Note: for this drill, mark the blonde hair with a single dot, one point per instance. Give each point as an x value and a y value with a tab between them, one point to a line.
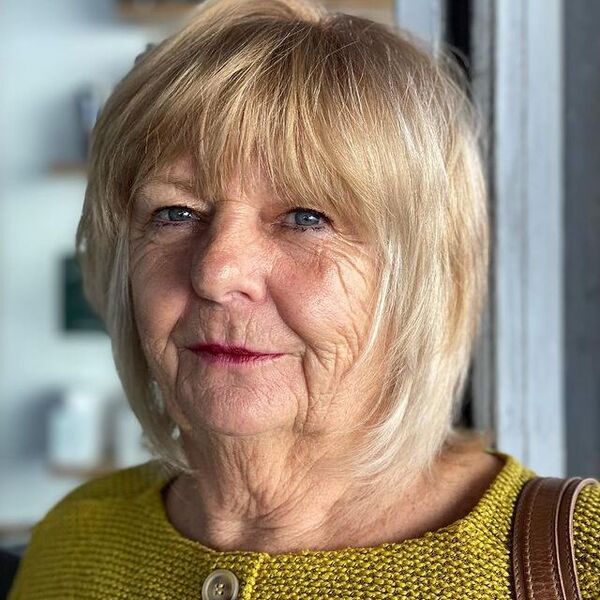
359	120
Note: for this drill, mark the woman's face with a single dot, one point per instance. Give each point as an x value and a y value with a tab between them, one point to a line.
244	273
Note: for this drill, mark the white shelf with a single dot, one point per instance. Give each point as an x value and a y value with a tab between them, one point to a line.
28	491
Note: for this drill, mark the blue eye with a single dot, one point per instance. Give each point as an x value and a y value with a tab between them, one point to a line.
173	214
306	218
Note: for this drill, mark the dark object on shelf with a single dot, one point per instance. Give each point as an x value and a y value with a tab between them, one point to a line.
89	101
139	57
9	563
78	315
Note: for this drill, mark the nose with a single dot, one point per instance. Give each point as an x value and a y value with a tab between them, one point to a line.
231	262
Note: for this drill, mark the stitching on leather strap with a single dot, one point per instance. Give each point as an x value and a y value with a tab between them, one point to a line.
516	546
543	511
527	538
552	548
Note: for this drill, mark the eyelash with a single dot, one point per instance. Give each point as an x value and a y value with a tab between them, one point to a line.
159	223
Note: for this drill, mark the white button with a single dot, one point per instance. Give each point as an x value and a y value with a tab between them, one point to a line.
221	584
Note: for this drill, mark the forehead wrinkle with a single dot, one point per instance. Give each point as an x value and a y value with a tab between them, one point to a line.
181	183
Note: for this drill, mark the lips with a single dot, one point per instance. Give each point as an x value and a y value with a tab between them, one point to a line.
231	350
224	355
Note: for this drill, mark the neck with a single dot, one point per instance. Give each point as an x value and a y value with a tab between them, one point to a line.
254	495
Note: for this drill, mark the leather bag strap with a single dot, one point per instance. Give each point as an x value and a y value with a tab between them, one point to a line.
543	558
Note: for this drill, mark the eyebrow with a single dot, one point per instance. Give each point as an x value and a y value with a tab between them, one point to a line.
183	184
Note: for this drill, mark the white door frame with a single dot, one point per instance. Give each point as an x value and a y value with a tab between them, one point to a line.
528	186
517	81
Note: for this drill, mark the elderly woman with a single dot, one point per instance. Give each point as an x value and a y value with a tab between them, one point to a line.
285	232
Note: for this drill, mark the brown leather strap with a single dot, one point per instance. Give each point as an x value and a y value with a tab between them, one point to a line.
543	558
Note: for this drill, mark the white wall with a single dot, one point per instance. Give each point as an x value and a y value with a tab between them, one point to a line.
47	51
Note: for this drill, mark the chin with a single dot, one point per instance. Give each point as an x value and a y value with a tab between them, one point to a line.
233	416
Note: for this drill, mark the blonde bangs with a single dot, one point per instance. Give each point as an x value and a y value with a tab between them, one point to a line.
298	101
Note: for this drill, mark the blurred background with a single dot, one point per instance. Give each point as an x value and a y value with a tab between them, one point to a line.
534	67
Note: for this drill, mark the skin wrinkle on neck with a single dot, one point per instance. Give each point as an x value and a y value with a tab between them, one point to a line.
392	519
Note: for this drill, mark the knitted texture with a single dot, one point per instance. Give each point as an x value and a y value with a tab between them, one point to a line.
111	538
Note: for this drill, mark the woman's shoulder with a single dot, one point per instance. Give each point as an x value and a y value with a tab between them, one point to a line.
119	484
98	520
120	487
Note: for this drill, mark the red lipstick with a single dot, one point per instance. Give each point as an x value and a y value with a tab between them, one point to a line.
230	355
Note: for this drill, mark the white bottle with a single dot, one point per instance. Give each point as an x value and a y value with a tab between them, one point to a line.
77	431
127	440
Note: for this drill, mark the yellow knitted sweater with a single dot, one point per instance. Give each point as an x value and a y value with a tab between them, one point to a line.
111	538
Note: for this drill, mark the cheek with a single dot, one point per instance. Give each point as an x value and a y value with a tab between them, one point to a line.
324	299
160	289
